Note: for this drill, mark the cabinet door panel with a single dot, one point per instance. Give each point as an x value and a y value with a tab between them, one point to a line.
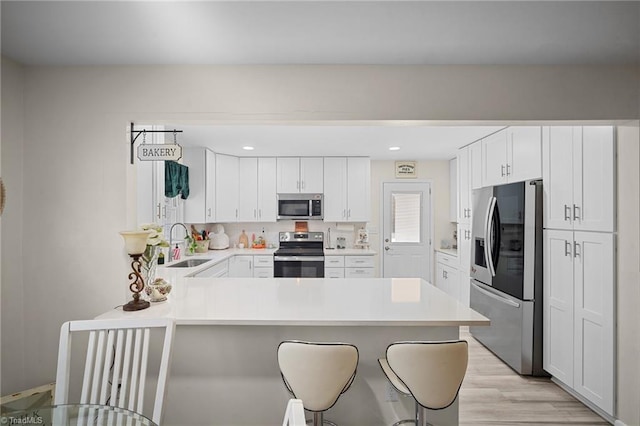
594	185
335	189
226	188
241	267
475	164
494	159
464	192
524	153
267	200
464	259
288	172
558	292
594	318
210	187
248	185
311	173
358	189
557	171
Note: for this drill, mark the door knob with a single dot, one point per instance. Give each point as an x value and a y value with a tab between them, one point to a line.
386	240
387	248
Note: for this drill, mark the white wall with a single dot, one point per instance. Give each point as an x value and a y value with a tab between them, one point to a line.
78	191
628	273
14	310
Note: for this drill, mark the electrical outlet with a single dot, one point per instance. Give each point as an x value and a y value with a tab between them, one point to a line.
391	393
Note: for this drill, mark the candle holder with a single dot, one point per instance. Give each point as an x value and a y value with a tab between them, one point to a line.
135	244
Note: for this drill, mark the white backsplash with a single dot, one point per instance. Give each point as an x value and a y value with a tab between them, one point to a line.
271	230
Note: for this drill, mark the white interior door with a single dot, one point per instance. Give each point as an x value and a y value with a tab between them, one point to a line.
406	234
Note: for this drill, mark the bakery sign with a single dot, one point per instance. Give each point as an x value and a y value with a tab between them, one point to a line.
405	169
159	152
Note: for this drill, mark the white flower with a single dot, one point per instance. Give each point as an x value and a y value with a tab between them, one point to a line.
156	235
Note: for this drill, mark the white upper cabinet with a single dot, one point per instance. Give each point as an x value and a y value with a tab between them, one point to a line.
257	181
464	186
335	189
358	189
579	186
494	159
453	190
512	155
475	164
300	175
200	206
248	184
524	153
227	188
347	189
267	201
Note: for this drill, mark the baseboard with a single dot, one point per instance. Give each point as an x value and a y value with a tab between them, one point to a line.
588	403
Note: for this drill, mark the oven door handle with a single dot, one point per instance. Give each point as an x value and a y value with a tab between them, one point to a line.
298	258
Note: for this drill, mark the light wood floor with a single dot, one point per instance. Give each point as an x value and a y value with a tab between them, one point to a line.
493	394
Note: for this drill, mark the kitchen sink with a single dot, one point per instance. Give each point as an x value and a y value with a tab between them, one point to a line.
189	263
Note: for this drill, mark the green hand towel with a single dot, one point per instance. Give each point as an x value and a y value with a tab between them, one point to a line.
176	180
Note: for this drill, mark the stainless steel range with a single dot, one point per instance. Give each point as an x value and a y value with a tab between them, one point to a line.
300	255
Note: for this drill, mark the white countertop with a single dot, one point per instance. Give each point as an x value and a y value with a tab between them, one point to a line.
349	252
450	251
310	301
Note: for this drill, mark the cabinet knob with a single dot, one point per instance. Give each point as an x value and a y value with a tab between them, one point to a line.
567	212
502	170
508	172
576	211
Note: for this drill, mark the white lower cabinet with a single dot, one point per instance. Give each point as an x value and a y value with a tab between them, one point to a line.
263	266
241	266
579	313
358	273
464	259
447	274
263	273
333	272
349	267
218	270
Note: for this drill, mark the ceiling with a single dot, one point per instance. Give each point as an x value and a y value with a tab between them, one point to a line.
415	141
323	32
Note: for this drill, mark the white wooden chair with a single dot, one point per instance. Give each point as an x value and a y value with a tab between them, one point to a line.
117	353
294	415
431	372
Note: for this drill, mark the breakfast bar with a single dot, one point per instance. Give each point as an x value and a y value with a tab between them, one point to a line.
228	330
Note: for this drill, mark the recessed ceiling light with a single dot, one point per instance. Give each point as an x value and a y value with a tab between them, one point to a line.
247	148
394	148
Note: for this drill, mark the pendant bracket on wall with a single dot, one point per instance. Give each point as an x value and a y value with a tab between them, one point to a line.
135	133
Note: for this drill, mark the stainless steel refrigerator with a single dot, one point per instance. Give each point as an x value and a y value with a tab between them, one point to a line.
506	272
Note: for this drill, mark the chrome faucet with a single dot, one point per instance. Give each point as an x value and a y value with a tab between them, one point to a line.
171	238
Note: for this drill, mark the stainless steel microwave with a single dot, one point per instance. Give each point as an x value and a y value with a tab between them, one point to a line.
300	206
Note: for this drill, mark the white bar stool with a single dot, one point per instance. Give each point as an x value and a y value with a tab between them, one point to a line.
431	372
317	373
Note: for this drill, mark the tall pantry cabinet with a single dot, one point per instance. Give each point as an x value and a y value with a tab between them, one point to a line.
579	261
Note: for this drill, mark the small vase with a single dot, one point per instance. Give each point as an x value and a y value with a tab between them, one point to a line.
158	290
149	264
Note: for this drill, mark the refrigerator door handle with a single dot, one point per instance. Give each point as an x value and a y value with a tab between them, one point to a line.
496	296
487	235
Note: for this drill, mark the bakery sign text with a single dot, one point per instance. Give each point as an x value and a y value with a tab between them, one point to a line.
160	152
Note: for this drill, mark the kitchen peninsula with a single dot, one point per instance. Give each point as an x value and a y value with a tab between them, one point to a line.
229	328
